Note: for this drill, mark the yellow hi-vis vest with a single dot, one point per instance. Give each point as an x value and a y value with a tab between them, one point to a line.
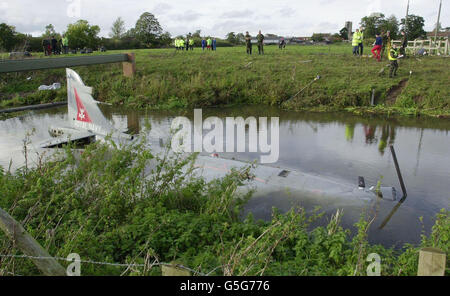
356	38
181	43
361	37
393	54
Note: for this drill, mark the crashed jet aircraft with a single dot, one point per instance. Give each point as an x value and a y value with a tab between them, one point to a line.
87	122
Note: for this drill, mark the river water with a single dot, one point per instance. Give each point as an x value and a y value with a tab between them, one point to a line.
335	145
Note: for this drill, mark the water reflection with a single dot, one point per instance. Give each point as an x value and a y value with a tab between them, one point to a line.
350	132
394	210
387	137
369	132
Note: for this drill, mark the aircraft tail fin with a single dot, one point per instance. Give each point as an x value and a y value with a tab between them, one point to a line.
83	110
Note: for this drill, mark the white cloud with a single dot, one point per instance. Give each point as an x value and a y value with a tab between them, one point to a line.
218	17
3	6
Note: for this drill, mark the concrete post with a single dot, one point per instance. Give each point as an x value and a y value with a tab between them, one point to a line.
431	262
129	67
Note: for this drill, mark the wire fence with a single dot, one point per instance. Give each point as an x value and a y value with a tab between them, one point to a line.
128	265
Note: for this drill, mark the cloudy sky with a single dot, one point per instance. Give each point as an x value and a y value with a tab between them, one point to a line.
214	17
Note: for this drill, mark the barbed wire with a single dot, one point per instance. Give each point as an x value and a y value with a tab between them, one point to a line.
151	265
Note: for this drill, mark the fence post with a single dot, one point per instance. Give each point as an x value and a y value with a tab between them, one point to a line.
431	42
29	246
129	67
431	262
446	47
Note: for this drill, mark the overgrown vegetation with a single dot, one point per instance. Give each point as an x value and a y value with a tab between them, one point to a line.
167	79
98	204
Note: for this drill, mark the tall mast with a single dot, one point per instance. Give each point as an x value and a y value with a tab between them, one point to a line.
437	24
406	18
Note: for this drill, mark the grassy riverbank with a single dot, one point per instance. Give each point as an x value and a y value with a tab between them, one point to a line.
167	79
98	205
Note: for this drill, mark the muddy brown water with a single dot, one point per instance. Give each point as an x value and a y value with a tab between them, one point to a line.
333	145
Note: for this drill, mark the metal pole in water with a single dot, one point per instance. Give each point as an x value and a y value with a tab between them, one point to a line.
399	173
372	99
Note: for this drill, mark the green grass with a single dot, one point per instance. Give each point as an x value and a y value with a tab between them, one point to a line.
167	79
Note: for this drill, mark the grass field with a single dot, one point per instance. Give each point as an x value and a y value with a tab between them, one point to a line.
168	79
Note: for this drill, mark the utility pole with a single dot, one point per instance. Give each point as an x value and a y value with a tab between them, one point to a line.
406	18
437	24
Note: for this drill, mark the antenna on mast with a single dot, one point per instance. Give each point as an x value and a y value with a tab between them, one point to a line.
406	18
437	24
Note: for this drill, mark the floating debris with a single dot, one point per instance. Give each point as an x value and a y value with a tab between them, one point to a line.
54	86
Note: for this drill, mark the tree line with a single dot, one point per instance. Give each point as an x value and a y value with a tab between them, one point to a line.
378	23
148	33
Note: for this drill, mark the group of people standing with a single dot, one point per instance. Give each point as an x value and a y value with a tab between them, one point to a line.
260	40
382	42
188	44
358	42
181	44
209	44
55	46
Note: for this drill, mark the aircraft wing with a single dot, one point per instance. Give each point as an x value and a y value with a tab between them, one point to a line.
75	136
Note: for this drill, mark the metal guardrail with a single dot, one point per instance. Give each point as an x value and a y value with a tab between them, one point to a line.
7	66
33	107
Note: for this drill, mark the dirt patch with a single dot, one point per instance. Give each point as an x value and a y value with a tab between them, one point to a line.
418	99
395	91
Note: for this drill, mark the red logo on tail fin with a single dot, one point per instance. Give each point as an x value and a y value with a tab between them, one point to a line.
82	114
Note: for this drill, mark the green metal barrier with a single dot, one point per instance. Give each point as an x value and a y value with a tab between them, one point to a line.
7	66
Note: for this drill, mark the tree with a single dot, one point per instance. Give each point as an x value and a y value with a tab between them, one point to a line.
372	24
197	34
7	37
117	29
391	24
317	37
165	39
414	28
377	23
240	38
147	29
50	31
343	33
81	34
231	37
131	33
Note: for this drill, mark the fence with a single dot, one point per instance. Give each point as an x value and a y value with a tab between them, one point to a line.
127	59
440	47
432	262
